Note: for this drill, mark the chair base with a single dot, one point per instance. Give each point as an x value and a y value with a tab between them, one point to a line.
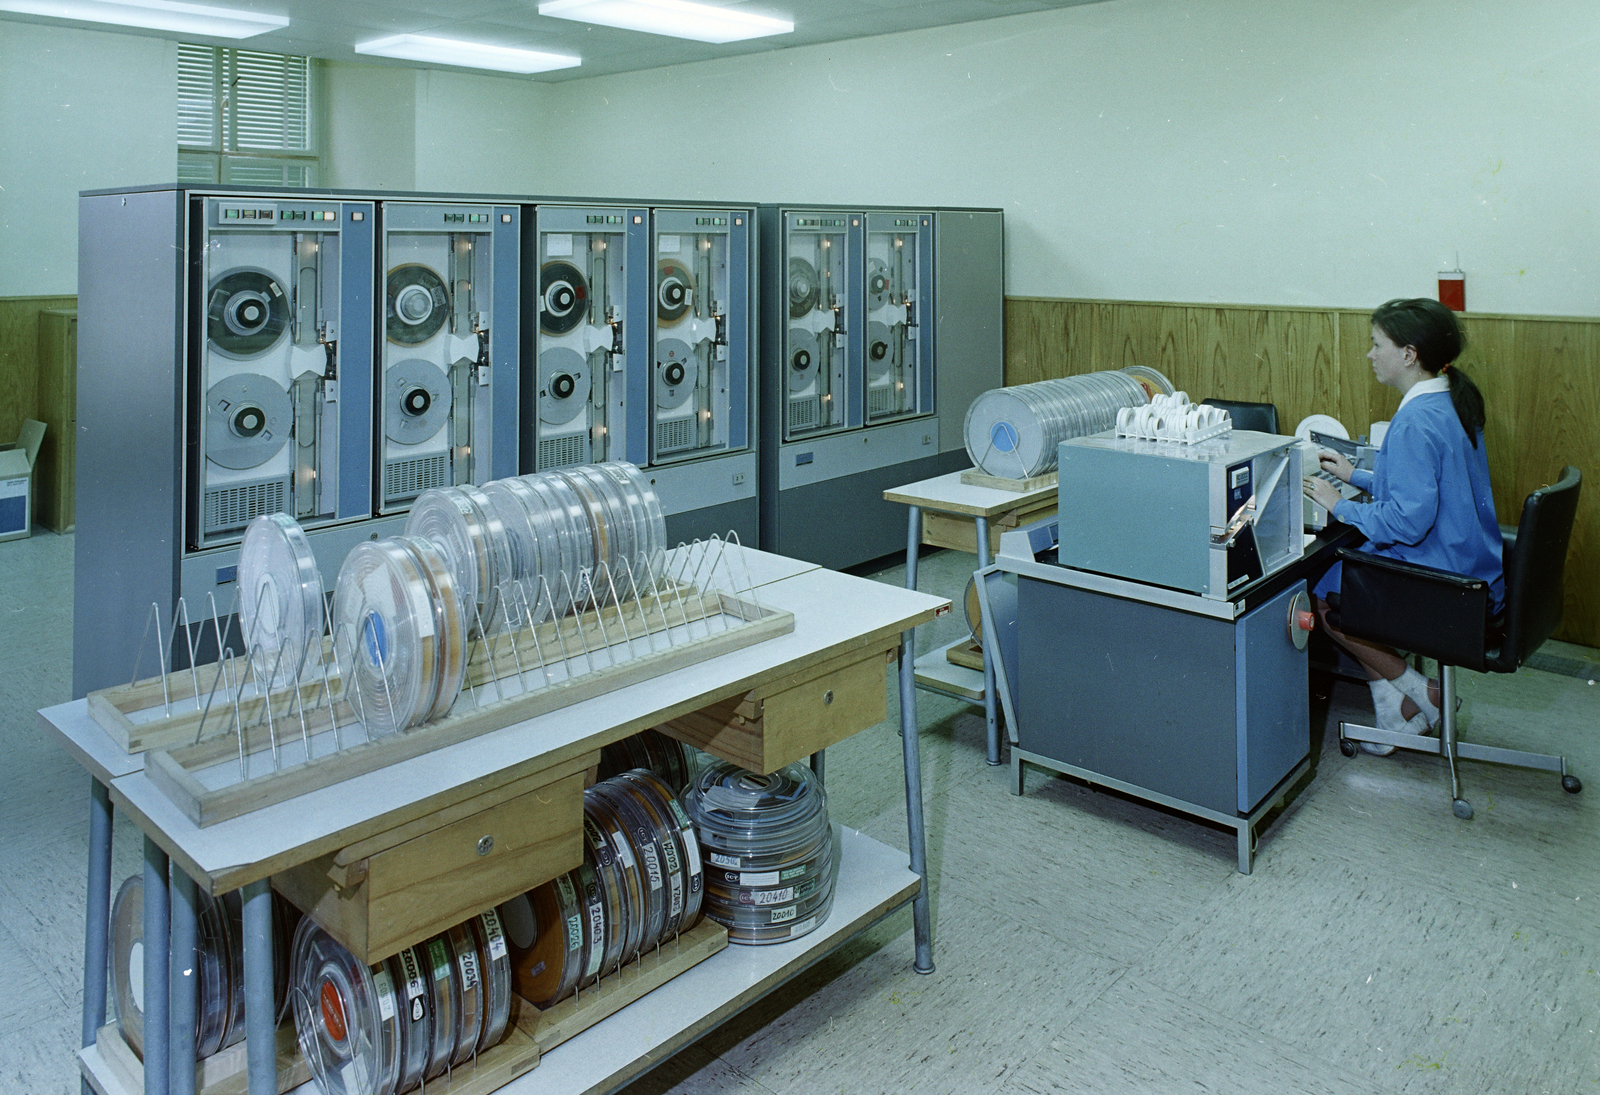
1446	745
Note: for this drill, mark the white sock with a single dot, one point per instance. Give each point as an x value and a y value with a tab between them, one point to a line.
1386	700
1415	685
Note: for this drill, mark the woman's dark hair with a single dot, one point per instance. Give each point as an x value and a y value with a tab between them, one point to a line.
1434	332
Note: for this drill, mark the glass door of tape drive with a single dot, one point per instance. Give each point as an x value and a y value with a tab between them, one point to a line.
280	360
592	299
448	391
822	340
899	298
700	382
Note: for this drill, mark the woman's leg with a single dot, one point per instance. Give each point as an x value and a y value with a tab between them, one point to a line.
1379	661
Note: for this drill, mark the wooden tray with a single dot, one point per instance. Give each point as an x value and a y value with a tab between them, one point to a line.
972	477
193	776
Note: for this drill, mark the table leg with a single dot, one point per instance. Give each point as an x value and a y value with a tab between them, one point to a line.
97	911
921	918
819	763
991	714
183	984
260	1017
157	931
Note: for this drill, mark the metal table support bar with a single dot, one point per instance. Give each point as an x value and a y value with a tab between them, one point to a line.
910	748
1244	827
991	721
97	914
184	984
157	930
260	1018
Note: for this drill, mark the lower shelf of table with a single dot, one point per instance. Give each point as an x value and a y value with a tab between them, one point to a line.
873	881
937	673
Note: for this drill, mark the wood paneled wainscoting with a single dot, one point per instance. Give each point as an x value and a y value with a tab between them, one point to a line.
1540	377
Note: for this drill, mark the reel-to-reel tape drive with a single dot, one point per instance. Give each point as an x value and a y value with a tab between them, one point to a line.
818	341
590	320
857	303
447	413
701	295
280	297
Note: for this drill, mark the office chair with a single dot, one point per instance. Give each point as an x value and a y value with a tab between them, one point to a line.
1446	617
1261	417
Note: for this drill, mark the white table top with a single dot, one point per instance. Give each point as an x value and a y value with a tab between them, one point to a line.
948	494
230	853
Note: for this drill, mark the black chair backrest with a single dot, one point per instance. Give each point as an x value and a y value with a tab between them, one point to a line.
1535	568
1261	417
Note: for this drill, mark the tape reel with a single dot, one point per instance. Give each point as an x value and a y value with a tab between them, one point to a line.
804	354
347	1016
563	385
280	596
805	288
879	283
416	401
880	351
563	297
677	371
247	312
418	304
247	420
674	292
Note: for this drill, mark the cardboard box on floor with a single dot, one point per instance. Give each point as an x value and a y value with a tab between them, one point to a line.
16	481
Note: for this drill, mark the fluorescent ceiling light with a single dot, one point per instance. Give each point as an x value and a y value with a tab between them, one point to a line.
445	51
155	15
677	18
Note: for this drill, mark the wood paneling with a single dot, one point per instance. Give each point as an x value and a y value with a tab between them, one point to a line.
55	474
19	358
1540	378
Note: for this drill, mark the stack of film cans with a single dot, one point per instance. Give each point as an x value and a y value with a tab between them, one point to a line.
768	849
218	965
639	886
409	1019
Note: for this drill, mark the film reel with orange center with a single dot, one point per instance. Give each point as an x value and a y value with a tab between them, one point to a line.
544	929
346	1016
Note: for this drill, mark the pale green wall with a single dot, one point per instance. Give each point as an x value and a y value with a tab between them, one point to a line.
79	110
1292	152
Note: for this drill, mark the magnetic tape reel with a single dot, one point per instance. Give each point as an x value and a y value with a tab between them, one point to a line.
347	1016
804	288
280	596
418	304
247	312
677	372
463	524
674	292
563	297
417	400
880	351
563	385
247	420
879	283
803	354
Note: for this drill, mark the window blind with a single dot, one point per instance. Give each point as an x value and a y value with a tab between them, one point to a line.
244	117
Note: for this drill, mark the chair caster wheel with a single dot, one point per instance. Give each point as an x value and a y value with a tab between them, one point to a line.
1347	747
1571	784
1462	809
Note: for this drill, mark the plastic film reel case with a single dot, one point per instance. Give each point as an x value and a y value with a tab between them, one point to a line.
347	1016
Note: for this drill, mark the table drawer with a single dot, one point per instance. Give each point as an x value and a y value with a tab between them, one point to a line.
795	715
432	872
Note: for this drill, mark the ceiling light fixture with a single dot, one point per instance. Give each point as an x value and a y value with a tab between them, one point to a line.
446	51
676	18
155	15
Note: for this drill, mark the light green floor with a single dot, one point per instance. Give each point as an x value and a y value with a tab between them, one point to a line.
1085	942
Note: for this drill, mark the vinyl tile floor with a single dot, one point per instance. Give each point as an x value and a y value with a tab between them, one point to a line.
1085	942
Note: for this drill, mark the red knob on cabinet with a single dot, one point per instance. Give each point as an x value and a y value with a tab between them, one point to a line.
1304	620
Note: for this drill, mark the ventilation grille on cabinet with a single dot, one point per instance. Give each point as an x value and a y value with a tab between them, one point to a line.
561	452
675	434
881	402
409	478
234	507
805	413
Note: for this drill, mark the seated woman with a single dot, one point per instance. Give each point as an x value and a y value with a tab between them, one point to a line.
1430	492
